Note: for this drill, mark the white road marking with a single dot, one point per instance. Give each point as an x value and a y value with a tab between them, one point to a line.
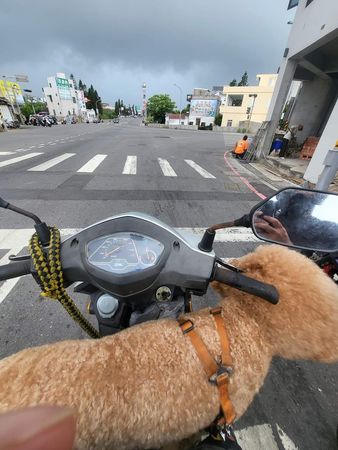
19	149
130	166
51	163
32	146
52	143
92	164
286	441
258	437
6	153
199	169
167	170
18	159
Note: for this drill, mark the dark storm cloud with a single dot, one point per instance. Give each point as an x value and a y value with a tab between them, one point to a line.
120	43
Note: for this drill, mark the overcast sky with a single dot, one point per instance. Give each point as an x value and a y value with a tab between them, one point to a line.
117	45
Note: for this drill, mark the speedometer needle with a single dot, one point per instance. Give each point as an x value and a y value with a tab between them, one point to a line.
113	251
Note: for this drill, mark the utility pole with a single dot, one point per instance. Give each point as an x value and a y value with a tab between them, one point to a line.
179	87
251	109
144	101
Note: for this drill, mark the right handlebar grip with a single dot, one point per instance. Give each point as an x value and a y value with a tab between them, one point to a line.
15	269
246	284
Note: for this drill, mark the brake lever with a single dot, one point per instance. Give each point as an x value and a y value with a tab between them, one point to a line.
228	266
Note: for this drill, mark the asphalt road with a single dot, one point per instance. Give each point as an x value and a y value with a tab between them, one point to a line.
74	175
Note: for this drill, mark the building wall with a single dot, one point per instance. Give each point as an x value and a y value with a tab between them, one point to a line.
312	23
314	26
57	106
313	100
326	143
236	114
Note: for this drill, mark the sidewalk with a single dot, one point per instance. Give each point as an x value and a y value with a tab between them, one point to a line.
290	169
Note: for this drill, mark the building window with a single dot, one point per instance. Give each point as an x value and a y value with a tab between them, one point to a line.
54	112
74	100
56	95
50	98
50	84
229	123
235	100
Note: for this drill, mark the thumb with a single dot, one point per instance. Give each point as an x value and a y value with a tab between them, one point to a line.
38	428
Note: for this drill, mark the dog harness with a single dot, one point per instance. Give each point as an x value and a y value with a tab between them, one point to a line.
217	373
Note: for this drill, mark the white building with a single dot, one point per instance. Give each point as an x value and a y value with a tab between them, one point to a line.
176	119
310	56
62	98
203	107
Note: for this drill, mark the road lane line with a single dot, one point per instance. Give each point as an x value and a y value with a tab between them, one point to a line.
257	437
51	163
8	285
167	170
199	169
92	164
8	162
6	153
130	166
32	146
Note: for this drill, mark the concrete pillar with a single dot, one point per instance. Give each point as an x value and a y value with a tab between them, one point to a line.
283	84
327	142
311	105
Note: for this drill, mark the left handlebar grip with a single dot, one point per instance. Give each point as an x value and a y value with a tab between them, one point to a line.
15	269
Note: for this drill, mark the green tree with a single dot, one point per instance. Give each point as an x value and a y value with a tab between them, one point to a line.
94	100
27	108
186	109
73	79
159	105
233	82
218	119
108	114
244	79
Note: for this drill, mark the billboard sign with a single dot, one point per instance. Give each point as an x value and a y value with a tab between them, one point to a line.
63	88
11	91
203	108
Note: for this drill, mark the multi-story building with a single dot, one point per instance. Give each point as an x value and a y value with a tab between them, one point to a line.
247	103
311	56
62	98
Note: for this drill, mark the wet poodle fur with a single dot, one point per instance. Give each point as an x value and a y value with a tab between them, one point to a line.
145	387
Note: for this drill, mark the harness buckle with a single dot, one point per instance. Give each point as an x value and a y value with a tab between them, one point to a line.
185	327
221	371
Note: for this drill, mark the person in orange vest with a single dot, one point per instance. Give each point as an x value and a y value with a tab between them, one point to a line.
241	147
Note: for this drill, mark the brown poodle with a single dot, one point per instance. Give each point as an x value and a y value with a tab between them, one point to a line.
145	387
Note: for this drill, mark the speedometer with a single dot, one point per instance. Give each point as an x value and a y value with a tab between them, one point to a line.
124	252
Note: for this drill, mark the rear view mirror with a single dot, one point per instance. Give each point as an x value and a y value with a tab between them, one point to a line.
299	218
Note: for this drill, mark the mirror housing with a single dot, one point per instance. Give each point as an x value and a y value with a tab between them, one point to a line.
298	218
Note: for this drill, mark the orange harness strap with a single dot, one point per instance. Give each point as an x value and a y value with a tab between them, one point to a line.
216	373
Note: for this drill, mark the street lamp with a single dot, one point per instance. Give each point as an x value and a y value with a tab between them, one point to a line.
179	87
251	110
96	108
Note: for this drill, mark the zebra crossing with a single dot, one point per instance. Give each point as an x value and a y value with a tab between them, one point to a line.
130	166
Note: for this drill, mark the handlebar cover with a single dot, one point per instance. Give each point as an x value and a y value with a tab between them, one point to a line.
246	284
15	269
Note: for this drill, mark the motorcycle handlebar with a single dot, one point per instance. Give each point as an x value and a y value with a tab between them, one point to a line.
15	269
246	284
